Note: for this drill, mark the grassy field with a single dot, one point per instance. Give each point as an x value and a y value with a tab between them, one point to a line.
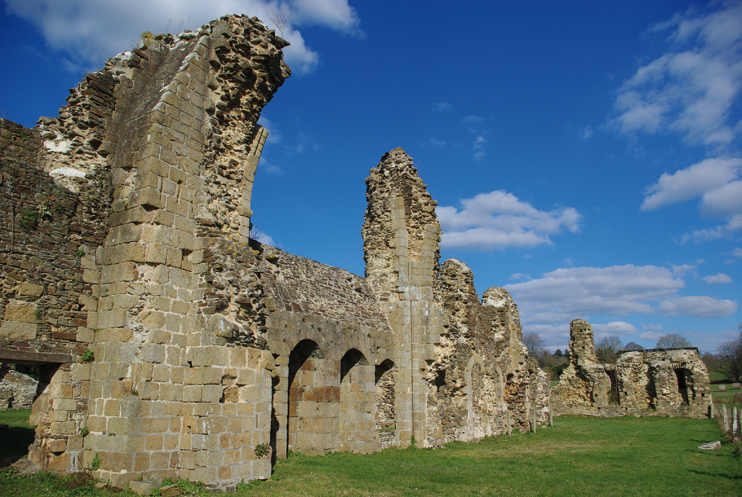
724	397
579	456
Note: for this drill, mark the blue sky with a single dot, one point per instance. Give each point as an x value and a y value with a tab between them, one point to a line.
585	155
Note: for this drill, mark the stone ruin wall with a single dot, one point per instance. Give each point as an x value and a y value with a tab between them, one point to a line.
481	379
213	354
48	237
17	390
465	360
672	382
138	145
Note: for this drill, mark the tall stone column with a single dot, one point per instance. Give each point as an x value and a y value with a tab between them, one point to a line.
401	243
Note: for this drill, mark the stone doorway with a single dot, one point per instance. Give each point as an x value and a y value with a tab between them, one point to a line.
680	375
384	399
312	409
356	425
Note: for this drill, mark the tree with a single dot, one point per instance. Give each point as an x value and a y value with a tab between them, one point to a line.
672	341
632	346
558	353
279	18
606	349
552	364
730	355
710	360
534	343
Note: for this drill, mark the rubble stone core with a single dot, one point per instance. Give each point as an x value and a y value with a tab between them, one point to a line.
668	382
171	344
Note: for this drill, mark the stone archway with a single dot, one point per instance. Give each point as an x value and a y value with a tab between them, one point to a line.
312	402
356	427
385	413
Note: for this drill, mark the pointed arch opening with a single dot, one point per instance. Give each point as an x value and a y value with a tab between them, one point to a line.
384	409
357	432
312	397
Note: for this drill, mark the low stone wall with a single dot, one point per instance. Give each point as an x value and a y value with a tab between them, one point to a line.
17	390
671	382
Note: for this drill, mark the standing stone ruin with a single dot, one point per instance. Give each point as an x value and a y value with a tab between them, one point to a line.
668	382
17	390
171	344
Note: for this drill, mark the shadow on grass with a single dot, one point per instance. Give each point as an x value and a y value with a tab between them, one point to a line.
720	475
15	444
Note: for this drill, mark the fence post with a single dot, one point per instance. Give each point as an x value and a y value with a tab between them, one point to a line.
734	423
551	419
726	419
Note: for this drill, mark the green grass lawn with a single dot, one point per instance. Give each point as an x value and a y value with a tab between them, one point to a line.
724	397
717	375
579	456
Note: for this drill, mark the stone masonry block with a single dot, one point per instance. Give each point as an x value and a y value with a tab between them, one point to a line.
21	312
14	330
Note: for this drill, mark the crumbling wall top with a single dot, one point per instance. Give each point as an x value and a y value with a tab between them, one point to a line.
395	179
581	343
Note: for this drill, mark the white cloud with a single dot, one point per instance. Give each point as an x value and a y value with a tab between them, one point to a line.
498	219
654	327
698	305
555	336
434	142
704	235
650	335
737	252
704	179
587	132
692	88
274	135
265	239
613	328
336	14
718	182
478	147
569	293
472	119
84	30
723	201
717	279
440	107
520	276
682	269
265	166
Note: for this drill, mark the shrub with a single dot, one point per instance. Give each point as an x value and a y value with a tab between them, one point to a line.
262	450
87	356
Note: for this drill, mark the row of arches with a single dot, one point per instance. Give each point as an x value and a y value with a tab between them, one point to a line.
336	405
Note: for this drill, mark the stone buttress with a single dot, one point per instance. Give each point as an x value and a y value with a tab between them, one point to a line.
156	156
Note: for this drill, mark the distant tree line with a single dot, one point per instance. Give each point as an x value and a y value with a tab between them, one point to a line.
729	357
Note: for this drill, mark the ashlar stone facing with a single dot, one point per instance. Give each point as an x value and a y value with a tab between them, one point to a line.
173	345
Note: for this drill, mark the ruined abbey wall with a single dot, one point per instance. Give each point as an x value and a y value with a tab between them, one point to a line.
672	382
176	346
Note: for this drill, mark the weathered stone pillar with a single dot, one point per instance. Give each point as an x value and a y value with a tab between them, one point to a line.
581	343
401	237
